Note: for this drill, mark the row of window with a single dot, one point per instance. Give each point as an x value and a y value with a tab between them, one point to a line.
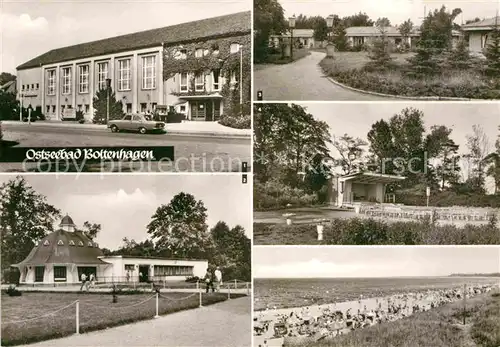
199	81
86	107
124	76
173	270
71	243
34	86
200	52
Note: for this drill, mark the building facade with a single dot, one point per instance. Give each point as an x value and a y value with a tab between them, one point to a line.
66	80
303	36
61	258
479	33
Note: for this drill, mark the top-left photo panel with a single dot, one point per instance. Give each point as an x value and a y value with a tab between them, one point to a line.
146	87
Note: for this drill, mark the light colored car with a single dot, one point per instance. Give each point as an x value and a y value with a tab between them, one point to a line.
136	122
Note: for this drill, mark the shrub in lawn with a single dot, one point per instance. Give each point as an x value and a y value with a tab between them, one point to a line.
236	121
13	291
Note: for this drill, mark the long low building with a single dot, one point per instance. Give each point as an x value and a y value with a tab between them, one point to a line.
61	258
193	68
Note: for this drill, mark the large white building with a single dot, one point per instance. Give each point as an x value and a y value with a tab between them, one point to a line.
183	67
61	257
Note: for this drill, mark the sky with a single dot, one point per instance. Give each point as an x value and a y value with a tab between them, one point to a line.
396	10
29	28
362	261
124	204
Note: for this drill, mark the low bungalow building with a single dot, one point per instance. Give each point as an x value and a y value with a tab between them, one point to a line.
61	258
479	33
305	37
363	37
361	188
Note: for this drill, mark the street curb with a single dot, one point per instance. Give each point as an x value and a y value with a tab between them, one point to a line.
104	128
389	96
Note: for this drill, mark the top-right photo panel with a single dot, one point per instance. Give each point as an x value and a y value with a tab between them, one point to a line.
365	50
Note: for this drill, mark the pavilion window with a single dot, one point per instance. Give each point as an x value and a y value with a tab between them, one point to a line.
80	243
90	244
66	80
129	267
71	243
46	243
60	243
83	79
60	274
173	270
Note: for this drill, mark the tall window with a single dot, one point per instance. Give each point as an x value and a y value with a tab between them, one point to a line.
199	82
149	72
184	82
216	75
51	84
124	74
66	80
59	273
83	79
102	74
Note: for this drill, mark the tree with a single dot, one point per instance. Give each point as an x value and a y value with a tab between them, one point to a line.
180	227
320	29
25	217
317	176
459	57
232	251
478	145
358	20
6	77
436	38
383	22
492	53
268	19
351	153
492	162
379	53
100	104
9	106
340	37
405	30
91	229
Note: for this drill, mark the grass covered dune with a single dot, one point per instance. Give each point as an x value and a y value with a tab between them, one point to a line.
440	327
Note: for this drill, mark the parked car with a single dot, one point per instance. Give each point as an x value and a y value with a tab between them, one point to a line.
136	122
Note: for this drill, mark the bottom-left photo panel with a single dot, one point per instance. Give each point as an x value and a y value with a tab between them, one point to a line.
126	260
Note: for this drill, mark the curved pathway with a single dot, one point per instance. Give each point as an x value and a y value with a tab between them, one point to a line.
302	80
226	324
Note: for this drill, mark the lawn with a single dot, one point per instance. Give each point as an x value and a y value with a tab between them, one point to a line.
441	327
96	312
278	59
350	68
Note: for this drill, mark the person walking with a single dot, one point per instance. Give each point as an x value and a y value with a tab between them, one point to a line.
83	278
91	281
208	281
218	278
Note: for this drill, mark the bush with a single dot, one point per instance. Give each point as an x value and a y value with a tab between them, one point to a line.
236	121
356	231
274	194
80	118
449	199
192	279
175	117
13	291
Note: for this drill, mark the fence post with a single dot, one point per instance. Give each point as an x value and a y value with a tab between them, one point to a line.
77	317
157	315
465	302
164	284
248	291
235	284
197	285
228	291
199	292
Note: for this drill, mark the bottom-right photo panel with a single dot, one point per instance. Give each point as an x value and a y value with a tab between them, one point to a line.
354	296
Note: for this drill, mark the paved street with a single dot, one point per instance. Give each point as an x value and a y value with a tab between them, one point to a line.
302	80
192	152
227	324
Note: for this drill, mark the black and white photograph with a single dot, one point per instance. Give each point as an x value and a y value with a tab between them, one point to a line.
125	260
149	74
376	296
376	174
380	50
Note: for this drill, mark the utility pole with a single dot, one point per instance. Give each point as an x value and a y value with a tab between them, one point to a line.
108	87
241	79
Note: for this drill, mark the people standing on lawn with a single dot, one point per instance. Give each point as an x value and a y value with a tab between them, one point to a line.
83	278
91	281
218	278
209	281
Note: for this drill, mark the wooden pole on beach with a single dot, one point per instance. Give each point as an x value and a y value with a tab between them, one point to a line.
465	302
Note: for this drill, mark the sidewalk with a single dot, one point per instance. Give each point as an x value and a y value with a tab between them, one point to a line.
184	128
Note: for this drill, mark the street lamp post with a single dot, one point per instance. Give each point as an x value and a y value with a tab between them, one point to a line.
330	47
108	87
291	24
241	79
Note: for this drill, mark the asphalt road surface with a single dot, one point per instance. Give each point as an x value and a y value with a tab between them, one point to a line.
227	324
302	80
192	153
